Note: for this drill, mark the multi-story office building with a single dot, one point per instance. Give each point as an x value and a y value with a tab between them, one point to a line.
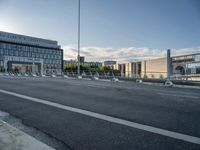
29	54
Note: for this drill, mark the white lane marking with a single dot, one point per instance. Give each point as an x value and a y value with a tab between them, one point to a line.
178	95
171	134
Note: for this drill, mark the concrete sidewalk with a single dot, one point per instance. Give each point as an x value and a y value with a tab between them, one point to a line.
14	139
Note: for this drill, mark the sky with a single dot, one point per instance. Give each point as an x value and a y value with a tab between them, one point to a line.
122	30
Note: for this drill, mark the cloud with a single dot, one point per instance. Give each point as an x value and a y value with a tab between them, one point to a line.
122	55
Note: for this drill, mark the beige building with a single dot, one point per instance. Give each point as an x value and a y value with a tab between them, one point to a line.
129	69
154	68
121	68
133	69
184	65
116	66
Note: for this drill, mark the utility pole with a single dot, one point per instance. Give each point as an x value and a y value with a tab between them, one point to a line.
79	19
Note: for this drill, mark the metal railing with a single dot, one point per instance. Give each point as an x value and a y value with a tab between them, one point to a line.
110	75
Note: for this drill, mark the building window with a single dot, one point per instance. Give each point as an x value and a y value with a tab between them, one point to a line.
1	51
20	48
41	55
14	47
25	54
31	49
16	53
17	47
33	55
23	48
4	46
11	52
21	53
1	63
35	50
39	50
9	46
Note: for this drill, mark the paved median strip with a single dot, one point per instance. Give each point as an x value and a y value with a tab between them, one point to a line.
171	134
12	138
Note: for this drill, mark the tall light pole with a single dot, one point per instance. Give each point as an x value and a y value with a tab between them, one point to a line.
79	20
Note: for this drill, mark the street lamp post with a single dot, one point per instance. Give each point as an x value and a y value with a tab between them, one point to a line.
79	14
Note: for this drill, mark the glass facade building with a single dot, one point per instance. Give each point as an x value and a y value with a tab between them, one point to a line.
29	54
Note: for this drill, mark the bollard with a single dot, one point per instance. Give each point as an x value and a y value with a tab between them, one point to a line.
139	81
95	78
65	76
115	79
168	83
79	77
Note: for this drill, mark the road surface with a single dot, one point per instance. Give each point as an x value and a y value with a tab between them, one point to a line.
99	115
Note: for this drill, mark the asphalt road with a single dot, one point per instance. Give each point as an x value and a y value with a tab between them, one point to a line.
170	109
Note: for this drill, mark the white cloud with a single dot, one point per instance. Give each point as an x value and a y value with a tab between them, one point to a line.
123	54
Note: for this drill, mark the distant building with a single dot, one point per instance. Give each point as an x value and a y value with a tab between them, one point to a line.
181	65
154	68
93	64
157	68
82	60
133	69
90	64
116	66
109	63
20	53
121	68
186	64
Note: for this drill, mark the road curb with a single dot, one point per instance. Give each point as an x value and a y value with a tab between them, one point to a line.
12	138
